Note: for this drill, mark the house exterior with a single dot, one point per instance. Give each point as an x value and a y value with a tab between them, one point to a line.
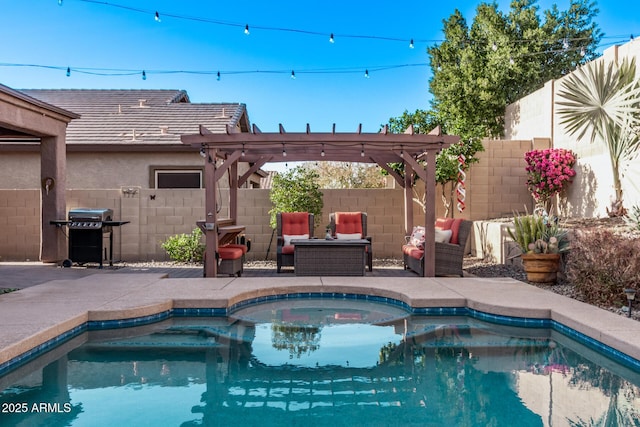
127	139
123	152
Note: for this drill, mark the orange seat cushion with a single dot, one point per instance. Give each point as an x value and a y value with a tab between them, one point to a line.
288	249
244	248
295	223
413	251
348	222
229	253
450	224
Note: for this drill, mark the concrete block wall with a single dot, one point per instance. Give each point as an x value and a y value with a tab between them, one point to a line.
495	187
19	225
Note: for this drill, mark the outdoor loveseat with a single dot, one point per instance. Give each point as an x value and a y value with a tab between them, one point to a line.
451	239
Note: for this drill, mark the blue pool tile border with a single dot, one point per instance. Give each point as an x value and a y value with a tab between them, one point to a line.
39	350
526	322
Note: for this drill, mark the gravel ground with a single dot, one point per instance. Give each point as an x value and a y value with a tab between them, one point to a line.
480	268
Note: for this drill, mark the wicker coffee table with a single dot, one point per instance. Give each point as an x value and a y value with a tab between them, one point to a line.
320	257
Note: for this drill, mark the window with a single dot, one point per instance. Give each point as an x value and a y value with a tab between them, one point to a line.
177	178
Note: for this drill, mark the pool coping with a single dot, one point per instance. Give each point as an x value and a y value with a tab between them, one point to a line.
35	318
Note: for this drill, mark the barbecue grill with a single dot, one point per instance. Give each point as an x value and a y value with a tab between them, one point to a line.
90	234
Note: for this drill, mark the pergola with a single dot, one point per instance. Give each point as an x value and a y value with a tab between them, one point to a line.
223	151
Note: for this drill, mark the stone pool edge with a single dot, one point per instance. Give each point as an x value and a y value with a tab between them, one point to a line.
30	320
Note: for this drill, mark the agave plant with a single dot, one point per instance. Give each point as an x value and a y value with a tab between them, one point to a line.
534	233
604	102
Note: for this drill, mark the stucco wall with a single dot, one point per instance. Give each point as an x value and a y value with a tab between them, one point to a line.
95	170
530	116
592	189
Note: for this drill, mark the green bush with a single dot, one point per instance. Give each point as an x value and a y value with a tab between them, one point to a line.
185	247
602	264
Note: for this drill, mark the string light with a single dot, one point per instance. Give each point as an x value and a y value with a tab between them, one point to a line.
246	29
68	71
322	152
362	151
366	74
218	76
284	152
293	74
511	61
243	153
411	46
494	47
157	17
289	30
331	40
144	75
582	52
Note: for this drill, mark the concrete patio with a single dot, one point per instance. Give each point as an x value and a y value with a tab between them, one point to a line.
67	298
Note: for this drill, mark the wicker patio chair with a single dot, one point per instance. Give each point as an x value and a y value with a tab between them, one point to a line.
349	224
449	256
291	225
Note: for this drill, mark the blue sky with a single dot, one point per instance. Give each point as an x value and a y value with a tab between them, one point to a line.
98	34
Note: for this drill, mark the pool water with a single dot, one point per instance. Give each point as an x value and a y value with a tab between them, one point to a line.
322	363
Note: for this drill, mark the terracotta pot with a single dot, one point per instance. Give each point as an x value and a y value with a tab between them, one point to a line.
541	268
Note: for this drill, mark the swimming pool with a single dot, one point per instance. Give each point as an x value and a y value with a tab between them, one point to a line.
323	362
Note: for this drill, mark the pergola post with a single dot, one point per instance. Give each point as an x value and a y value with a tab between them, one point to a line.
430	214
233	191
211	221
408	199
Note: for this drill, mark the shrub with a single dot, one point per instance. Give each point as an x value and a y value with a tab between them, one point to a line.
296	190
185	247
601	264
632	219
548	171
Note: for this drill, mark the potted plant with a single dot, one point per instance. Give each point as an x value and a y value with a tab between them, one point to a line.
541	241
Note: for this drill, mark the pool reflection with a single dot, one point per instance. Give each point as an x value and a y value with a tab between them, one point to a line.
335	363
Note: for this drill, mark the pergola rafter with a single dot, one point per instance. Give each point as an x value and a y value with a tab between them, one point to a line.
223	151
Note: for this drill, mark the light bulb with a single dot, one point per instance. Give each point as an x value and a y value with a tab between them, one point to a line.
246	29
511	61
565	43
411	46
144	75
284	152
362	151
243	153
68	71
331	40
322	152
218	76
157	17
494	46
366	74
582	52
59	2
293	74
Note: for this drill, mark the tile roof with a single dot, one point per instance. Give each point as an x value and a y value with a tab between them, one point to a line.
138	116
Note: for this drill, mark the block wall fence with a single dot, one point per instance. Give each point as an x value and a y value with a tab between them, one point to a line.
495	187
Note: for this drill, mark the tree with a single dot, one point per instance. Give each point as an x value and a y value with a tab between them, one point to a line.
347	175
604	102
447	164
296	190
478	70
